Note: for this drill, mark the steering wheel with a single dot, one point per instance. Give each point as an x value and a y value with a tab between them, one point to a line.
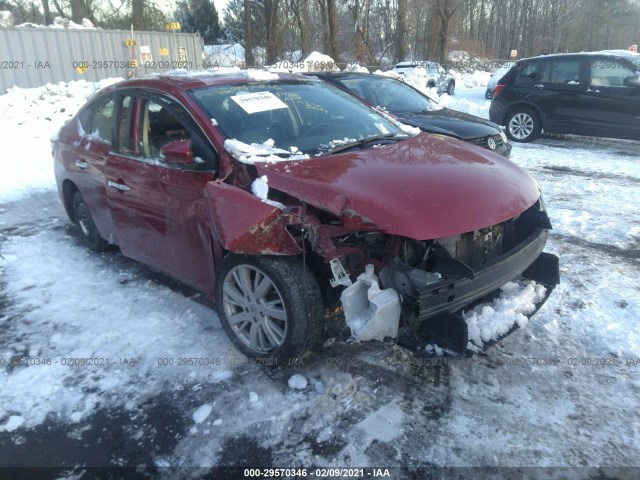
315	126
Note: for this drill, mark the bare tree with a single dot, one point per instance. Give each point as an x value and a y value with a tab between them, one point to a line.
333	29
300	11
248	46
446	9
271	18
401	31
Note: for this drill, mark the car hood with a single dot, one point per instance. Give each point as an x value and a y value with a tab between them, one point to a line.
451	123
422	188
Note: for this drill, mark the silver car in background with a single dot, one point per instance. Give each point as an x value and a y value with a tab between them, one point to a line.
437	76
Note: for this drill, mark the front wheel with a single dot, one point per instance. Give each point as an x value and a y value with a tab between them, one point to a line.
270	307
523	125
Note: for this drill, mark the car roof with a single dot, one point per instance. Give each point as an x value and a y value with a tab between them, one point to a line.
603	53
346	74
189	79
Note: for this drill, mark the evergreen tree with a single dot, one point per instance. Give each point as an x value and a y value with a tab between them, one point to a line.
199	16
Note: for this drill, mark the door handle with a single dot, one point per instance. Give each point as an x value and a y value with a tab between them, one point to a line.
119	186
81	164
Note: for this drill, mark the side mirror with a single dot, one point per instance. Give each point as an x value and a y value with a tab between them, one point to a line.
632	81
177	152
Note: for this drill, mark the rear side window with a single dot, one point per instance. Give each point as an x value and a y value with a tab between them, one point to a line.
566	71
96	120
610	72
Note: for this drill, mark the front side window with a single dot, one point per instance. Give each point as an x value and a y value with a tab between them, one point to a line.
309	117
145	126
565	71
159	127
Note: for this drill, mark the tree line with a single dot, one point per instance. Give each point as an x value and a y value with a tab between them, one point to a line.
370	32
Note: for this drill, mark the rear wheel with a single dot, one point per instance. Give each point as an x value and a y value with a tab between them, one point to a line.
88	230
270	307
523	125
451	88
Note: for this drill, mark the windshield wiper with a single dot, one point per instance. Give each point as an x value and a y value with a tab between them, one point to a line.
365	142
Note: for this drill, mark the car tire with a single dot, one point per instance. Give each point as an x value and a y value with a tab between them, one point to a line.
451	88
88	231
282	319
523	125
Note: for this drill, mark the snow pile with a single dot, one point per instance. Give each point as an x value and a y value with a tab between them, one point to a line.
490	322
261	76
62	22
261	152
36	114
466	62
464	105
6	19
14	422
477	78
317	62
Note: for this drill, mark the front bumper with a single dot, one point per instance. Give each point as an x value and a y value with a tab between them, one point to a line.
526	259
441	304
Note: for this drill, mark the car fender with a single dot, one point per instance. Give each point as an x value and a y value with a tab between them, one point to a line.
245	224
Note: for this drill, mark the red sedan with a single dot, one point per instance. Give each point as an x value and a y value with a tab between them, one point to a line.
271	192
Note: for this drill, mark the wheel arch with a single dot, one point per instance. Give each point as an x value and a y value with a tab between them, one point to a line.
68	191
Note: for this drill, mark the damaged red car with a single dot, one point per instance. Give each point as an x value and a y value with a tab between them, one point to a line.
275	193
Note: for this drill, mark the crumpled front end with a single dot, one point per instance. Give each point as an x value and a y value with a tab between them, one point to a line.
410	285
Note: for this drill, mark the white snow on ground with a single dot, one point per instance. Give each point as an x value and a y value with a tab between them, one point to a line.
561	391
298	382
201	414
123	328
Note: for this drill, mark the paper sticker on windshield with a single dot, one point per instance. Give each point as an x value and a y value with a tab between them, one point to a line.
258	102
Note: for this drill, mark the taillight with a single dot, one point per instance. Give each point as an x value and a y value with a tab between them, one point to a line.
498	89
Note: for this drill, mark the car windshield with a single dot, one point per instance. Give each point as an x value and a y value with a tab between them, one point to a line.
392	95
292	116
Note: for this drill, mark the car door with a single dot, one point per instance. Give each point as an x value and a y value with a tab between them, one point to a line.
611	106
158	208
561	84
86	159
